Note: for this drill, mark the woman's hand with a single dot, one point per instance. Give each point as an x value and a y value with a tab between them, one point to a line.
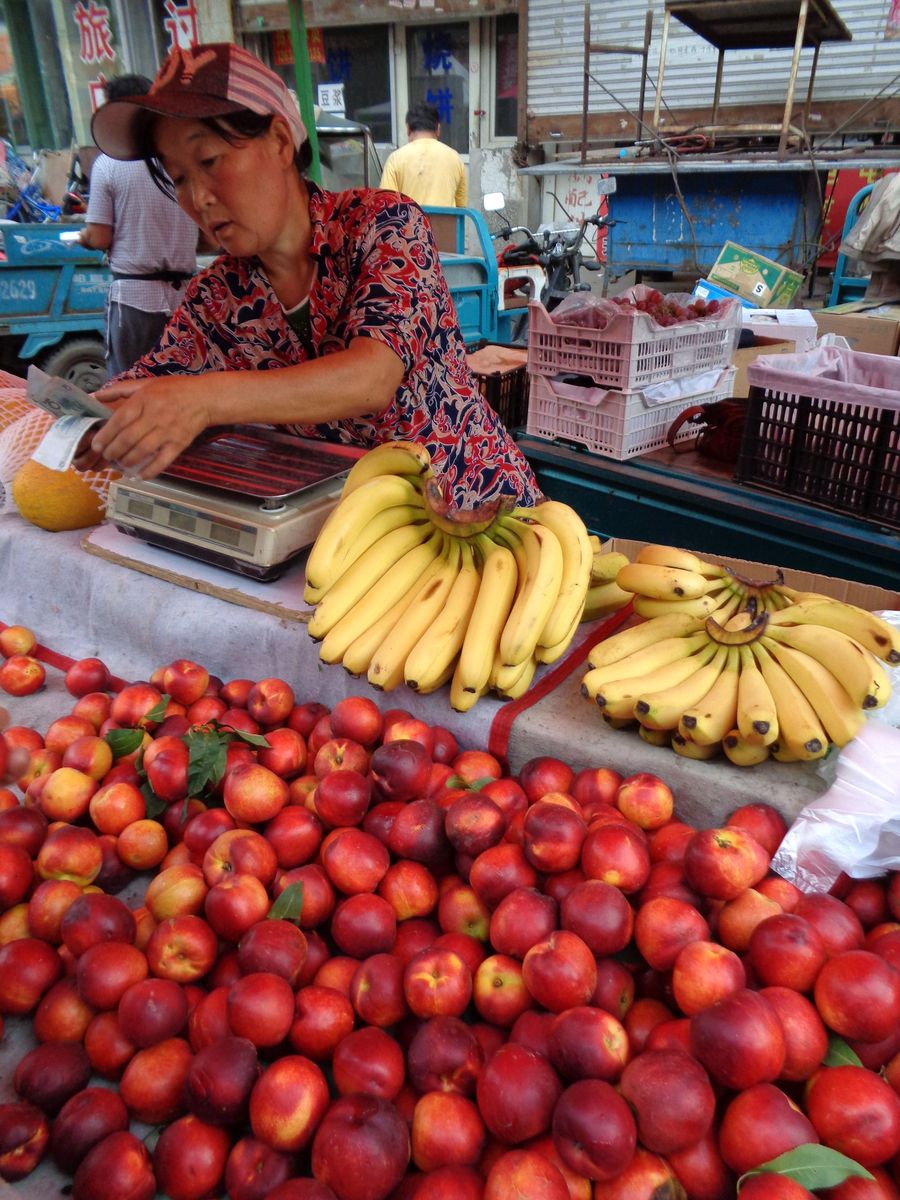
154	420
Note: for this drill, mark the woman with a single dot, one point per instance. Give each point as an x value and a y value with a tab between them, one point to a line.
342	292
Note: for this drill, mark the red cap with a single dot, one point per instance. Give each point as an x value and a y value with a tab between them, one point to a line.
210	80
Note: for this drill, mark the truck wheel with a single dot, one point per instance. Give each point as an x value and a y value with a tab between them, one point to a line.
81	360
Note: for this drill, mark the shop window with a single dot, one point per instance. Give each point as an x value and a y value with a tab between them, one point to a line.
438	61
505	83
349	66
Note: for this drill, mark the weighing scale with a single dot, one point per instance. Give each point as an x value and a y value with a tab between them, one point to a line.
246	499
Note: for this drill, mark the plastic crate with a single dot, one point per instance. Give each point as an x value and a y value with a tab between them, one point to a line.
617	424
825	427
632	352
504	387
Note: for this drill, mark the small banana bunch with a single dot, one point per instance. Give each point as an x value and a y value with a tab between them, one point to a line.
604	594
751	668
407	590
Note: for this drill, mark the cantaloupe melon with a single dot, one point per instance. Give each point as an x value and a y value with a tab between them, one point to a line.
56	500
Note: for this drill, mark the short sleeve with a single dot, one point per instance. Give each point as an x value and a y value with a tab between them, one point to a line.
462	187
398	295
101	208
389	176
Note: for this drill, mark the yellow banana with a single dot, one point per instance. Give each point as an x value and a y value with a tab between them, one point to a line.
670	556
504	677
436	650
664	583
741	752
385	557
781	753
373	531
603	598
345	523
462	699
438	682
575	576
539	592
662	708
840	716
361	631
860	672
619	696
596	544
880	638
799	727
499	576
724	601
390	458
706	723
757	715
521	685
550	654
644	662
606	566
386	670
654	737
618	722
697	750
647	633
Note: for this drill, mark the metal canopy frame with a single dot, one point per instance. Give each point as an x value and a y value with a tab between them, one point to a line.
751	25
590	47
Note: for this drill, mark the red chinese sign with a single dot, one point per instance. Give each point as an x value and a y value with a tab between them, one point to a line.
94	32
180	23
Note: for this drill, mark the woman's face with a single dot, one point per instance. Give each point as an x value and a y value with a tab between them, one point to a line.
238	193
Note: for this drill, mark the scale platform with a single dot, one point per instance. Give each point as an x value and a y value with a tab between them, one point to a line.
248	500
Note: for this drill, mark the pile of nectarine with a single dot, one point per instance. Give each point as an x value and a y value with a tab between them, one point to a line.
329	955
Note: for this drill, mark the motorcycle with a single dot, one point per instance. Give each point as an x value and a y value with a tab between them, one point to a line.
546	265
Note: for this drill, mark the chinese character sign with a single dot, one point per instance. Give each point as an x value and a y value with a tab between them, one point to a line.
180	23
442	99
437	54
95	34
331	97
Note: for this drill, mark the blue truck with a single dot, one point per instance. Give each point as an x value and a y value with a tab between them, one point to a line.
52	299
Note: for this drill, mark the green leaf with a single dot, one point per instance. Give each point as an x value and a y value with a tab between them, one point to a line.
208	750
840	1054
154	805
158	712
812	1166
289	904
457	781
123	741
252	739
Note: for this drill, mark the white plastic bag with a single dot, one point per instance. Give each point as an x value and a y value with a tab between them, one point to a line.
855	826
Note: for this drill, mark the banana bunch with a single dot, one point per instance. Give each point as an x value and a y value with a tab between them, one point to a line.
725	664
408	590
604	594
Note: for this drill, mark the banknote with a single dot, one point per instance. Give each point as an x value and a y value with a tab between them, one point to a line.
61	398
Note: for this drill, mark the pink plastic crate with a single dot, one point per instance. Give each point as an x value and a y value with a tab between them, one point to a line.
617	424
632	351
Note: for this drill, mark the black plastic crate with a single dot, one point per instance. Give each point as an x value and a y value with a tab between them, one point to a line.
505	389
840	456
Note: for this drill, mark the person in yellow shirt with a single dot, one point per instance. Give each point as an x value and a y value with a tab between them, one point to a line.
425	169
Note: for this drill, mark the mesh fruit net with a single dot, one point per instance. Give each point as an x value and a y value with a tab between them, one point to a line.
22	428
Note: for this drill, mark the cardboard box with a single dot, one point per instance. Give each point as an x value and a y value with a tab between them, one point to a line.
741	359
873	331
864	595
704	290
796	325
764	282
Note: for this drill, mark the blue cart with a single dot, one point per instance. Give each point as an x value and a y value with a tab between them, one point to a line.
52	303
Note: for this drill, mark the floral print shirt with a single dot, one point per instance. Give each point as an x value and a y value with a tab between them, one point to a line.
377	275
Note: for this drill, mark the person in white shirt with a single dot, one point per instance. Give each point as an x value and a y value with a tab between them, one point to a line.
152	247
